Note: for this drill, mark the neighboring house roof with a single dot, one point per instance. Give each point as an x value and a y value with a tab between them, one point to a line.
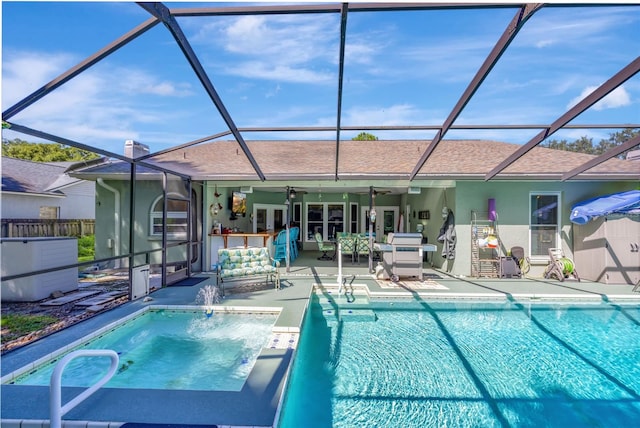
380	159
23	176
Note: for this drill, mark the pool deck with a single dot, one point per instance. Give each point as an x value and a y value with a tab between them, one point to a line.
258	403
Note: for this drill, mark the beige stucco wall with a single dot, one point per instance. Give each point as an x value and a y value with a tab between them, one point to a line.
512	205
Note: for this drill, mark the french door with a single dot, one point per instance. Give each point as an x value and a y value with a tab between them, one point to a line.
268	217
386	221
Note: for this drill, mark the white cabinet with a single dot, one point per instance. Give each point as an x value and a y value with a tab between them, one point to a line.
23	255
607	249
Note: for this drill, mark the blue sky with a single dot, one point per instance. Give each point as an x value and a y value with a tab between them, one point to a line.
401	68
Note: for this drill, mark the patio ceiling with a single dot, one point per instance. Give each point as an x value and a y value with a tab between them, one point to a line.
161	13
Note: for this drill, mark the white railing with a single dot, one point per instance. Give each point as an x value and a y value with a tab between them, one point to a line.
56	409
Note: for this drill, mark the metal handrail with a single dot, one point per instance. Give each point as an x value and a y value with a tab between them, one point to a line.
56	409
340	291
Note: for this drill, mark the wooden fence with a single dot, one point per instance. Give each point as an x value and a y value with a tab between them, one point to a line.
22	228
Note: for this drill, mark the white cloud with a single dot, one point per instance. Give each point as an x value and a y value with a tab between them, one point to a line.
575	26
619	97
273	92
276	39
300	49
141	82
25	72
544	43
398	114
100	104
281	72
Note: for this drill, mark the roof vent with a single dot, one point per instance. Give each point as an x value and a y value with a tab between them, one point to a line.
414	190
133	149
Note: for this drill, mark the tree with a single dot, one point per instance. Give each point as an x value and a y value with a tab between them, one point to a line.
618	138
44	152
365	136
585	144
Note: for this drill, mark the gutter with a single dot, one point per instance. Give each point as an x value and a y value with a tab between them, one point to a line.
116	218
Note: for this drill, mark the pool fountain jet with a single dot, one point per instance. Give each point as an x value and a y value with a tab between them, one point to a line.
208	296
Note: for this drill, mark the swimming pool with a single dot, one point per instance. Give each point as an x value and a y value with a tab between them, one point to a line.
184	349
466	364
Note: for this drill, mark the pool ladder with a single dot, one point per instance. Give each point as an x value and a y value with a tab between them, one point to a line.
56	409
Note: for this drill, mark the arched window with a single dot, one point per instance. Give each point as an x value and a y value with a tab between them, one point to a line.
177	224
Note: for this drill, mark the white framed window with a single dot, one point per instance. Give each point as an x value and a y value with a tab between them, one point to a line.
177	221
544	223
326	218
49	212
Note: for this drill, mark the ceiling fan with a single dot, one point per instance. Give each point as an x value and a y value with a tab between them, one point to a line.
376	192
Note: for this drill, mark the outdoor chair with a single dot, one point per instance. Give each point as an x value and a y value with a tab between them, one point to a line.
294	232
348	245
362	246
325	247
560	266
280	246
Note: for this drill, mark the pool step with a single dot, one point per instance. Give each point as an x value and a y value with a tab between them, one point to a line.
331	307
356	315
343	300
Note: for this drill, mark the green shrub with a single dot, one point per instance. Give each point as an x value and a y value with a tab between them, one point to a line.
86	248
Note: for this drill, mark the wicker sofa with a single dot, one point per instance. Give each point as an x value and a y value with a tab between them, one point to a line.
241	263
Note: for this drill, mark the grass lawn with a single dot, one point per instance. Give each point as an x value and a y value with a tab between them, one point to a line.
18	325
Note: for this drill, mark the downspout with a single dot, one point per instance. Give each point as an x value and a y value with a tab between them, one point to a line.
116	218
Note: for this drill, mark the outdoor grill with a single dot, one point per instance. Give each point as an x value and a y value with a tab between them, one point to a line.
402	255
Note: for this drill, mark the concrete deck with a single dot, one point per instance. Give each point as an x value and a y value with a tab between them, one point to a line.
258	402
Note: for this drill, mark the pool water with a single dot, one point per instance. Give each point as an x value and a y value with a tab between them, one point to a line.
465	364
167	349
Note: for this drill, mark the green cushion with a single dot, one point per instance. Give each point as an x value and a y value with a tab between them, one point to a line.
235	262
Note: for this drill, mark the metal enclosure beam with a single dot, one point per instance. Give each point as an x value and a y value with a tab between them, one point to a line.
615	151
343	38
161	12
608	86
525	12
304	8
67	142
185	145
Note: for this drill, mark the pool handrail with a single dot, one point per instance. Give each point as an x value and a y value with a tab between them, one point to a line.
340	291
56	409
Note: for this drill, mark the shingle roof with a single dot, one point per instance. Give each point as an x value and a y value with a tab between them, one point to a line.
383	158
29	177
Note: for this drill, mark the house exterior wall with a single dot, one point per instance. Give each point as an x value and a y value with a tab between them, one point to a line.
512	205
26	206
109	243
462	197
78	202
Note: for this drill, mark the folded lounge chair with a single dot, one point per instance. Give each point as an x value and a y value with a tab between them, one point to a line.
560	266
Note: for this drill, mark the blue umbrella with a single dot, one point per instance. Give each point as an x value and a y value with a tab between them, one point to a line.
616	203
